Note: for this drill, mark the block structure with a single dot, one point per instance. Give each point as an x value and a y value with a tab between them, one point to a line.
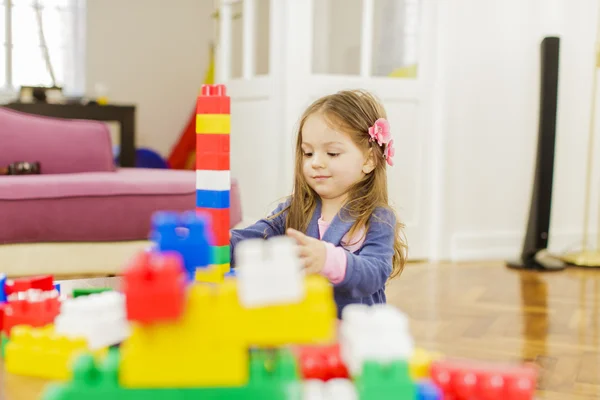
213	175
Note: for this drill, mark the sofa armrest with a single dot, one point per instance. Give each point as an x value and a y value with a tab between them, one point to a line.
59	145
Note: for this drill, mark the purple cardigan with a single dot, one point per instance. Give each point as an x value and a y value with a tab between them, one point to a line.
367	269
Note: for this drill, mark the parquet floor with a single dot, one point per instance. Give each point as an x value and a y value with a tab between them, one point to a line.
481	311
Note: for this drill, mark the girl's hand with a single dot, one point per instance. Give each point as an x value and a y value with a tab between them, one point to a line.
312	251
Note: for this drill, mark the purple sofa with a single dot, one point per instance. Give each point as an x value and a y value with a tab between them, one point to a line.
81	197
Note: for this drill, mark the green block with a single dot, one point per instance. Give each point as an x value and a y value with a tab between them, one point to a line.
385	382
3	343
221	255
273	375
88	291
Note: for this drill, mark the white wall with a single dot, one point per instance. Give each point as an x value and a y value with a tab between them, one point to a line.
154	54
490	58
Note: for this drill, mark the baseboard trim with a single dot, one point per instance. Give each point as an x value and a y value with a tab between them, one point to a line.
502	245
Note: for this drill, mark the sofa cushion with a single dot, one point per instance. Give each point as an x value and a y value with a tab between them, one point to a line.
60	145
94	206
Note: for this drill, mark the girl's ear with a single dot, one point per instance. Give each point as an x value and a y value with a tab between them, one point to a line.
369	164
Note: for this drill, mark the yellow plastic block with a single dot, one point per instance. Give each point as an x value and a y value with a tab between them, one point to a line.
42	353
420	363
310	321
225	268
190	352
211	274
213	123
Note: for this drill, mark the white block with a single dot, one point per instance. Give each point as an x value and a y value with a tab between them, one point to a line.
213	180
100	318
269	272
375	333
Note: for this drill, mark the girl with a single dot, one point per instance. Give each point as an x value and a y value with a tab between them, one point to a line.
338	211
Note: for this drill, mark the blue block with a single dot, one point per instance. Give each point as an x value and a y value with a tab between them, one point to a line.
231	273
188	234
57	287
212	198
427	390
2	288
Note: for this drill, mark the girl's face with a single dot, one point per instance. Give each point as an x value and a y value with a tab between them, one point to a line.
332	162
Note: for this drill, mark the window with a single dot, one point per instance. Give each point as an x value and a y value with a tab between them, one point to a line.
26	49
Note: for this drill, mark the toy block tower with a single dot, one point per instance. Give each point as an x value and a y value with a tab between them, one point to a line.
213	177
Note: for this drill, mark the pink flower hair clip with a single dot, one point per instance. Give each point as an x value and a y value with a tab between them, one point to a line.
380	132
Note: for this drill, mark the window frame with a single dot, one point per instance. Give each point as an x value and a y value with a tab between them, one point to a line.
74	85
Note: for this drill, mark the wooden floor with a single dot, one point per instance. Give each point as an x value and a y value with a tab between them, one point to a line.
481	311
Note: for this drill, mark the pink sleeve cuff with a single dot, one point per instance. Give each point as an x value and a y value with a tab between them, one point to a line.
335	264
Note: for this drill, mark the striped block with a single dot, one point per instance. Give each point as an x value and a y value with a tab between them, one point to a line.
213	180
220	221
213	123
212	198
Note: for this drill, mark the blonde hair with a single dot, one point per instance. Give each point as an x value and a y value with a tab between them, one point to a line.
352	112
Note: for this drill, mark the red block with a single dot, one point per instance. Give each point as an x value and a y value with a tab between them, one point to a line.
2	307
213	99
464	380
213	143
155	285
220	221
322	362
43	283
35	313
213	152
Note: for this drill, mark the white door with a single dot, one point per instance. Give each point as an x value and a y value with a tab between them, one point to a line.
395	67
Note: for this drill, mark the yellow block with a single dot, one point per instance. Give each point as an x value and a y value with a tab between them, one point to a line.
310	321
213	123
211	274
225	268
190	352
41	353
208	345
420	363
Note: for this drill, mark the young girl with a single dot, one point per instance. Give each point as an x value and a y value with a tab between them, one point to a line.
338	211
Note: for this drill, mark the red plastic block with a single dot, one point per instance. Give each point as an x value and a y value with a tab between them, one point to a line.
213	143
43	283
220	221
2	307
213	99
322	362
35	313
213	161
464	380
155	285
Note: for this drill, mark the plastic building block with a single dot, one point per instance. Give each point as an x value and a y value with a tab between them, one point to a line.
2	307
99	318
262	262
3	342
219	224
335	389
41	353
420	362
213	180
427	390
461	379
2	288
212	198
87	291
193	351
38	309
375	333
388	381
210	274
322	362
57	287
272	378
155	287
188	234
213	124
217	143
213	161
213	99
221	254
40	283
